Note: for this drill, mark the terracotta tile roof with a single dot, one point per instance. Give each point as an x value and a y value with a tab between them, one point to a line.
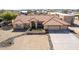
21	19
55	21
46	19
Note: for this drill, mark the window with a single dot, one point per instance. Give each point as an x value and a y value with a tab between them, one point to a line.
19	26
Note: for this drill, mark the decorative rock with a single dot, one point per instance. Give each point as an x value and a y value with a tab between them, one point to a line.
6	43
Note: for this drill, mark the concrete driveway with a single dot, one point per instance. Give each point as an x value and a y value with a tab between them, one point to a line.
63	40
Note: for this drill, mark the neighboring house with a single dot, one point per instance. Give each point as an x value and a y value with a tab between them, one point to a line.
47	22
69	18
76	16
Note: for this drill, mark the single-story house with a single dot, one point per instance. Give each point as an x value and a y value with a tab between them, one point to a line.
47	22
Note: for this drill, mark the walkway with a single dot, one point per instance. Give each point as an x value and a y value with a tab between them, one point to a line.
64	40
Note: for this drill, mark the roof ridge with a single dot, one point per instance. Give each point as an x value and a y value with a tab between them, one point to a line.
33	18
48	20
59	21
56	20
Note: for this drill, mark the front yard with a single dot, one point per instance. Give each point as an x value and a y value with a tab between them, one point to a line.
25	42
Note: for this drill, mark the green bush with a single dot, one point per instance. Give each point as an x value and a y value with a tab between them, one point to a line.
8	15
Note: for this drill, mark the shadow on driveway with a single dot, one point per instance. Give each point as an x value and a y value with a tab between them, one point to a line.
63	31
50	42
10	41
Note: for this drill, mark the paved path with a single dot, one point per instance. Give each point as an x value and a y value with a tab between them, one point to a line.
64	40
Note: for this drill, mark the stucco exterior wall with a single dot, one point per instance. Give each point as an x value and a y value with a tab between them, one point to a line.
19	26
69	19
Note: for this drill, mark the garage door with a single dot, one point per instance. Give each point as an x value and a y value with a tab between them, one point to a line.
64	27
55	27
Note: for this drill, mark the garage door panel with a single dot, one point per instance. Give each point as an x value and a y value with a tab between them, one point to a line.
55	27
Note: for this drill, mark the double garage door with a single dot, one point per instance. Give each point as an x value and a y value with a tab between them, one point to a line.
55	27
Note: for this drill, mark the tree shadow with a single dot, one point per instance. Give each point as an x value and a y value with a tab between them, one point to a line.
5	28
19	30
63	31
10	41
74	25
50	42
7	43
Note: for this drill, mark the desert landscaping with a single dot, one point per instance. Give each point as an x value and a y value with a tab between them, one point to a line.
28	42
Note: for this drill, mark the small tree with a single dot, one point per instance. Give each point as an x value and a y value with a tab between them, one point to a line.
7	16
65	11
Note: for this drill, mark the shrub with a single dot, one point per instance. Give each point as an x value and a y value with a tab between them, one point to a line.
8	15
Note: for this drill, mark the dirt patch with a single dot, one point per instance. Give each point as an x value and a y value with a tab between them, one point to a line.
29	42
23	42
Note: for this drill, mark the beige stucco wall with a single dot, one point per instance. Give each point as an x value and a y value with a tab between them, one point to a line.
61	17
68	19
19	26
